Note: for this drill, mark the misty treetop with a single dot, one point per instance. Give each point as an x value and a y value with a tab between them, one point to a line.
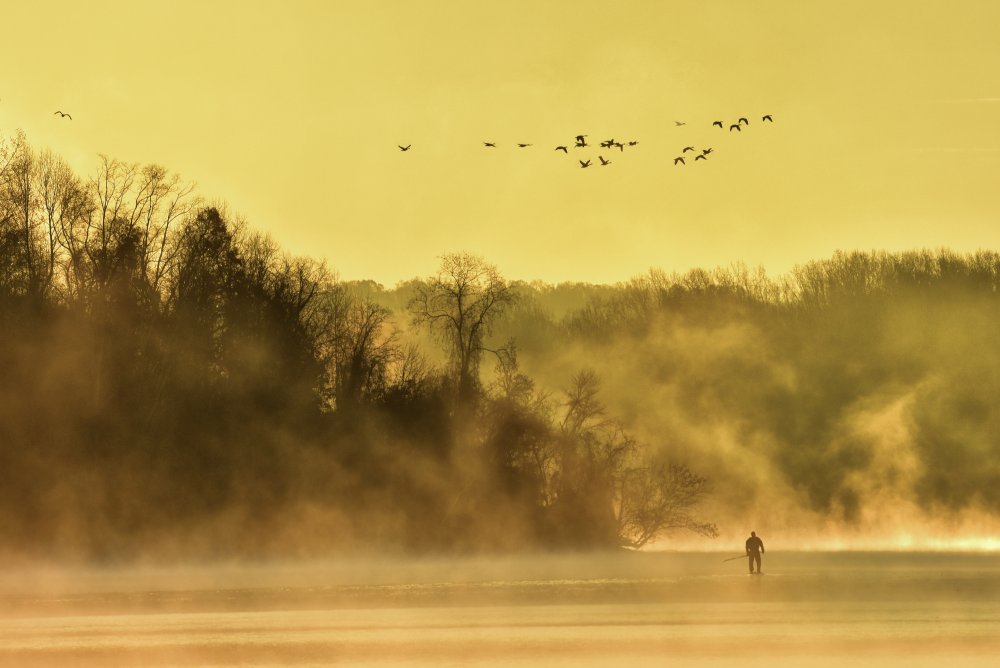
851	389
175	384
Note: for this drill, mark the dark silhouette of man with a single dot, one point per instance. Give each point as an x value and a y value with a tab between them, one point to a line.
755	546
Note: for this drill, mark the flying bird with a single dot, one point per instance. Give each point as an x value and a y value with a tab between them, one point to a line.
633	142
735	126
679	123
707	151
701	157
524	145
680	160
603	161
767	117
581	141
687	148
719	123
404	148
585	164
490	144
607	143
620	146
62	114
562	148
744	120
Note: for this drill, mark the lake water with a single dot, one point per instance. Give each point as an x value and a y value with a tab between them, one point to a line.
681	609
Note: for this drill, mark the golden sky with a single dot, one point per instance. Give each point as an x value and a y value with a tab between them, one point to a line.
886	130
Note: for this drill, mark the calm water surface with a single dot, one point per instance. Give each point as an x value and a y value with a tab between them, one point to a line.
809	609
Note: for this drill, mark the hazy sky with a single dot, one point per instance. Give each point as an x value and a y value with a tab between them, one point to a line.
886	128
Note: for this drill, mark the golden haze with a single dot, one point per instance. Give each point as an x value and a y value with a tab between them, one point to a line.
885	132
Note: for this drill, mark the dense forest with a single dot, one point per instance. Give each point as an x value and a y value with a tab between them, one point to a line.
175	385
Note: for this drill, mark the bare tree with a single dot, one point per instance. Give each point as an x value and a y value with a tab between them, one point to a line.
87	232
611	482
460	304
510	383
657	497
41	201
10	261
584	411
30	243
519	432
411	371
591	449
141	203
358	348
67	208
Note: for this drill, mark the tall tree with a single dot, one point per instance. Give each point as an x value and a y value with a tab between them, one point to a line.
357	347
460	304
29	242
142	204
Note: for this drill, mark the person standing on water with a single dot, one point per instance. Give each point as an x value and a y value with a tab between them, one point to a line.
755	546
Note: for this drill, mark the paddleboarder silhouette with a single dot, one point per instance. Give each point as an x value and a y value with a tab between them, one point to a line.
755	547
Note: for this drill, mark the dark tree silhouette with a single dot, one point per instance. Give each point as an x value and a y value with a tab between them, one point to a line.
654	498
460	305
358	347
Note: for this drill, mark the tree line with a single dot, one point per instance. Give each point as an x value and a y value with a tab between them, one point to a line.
855	382
175	383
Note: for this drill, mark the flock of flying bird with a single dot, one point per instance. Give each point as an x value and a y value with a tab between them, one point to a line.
581	142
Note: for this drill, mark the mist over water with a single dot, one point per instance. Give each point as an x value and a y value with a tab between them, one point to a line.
811	609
